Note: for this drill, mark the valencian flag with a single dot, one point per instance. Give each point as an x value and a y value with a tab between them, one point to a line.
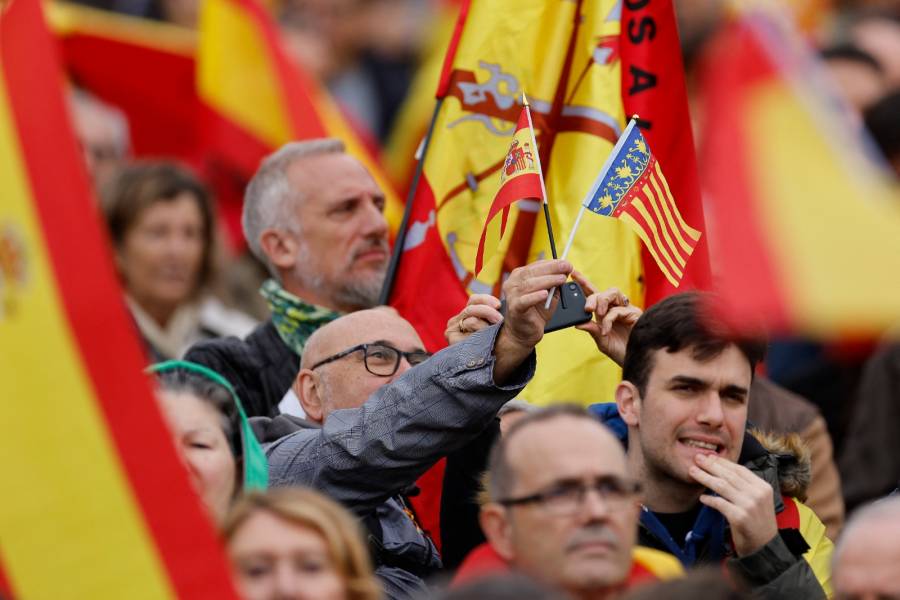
631	187
255	98
96	503
520	178
584	69
806	229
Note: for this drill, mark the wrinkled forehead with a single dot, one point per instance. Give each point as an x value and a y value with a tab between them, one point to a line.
323	177
564	448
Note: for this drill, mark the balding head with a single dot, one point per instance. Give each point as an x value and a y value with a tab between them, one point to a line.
346	382
868	553
563	508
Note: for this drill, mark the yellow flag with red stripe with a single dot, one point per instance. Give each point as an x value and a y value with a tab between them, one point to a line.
96	503
257	99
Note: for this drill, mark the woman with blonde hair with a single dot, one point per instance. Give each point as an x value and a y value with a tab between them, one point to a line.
296	543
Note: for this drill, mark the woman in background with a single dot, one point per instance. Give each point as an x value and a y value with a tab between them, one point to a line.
162	224
211	433
296	543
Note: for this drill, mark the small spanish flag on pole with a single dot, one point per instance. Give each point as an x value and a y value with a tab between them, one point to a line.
520	179
95	502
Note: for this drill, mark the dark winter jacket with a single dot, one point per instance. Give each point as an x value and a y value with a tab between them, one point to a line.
261	368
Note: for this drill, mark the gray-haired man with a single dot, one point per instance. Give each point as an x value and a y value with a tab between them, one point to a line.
314	216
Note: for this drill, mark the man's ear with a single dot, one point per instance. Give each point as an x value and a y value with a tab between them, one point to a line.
629	401
280	246
307	387
497	529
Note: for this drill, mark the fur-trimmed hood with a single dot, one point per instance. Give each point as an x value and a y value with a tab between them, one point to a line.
793	457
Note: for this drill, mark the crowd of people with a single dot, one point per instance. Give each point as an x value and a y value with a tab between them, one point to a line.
305	438
307	426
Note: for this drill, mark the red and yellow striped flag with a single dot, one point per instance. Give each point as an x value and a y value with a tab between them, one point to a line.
258	99
96	503
631	187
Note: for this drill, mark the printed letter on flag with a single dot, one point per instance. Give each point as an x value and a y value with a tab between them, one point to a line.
520	178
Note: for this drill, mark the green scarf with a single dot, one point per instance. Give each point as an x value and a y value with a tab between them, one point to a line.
294	319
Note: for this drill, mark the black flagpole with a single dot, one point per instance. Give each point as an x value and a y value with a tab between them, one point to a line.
388	286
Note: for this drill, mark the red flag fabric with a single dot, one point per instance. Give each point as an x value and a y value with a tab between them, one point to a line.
653	88
101	504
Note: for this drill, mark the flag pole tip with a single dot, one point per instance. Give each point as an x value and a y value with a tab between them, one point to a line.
524	98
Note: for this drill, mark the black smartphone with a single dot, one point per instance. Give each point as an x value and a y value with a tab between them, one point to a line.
569	309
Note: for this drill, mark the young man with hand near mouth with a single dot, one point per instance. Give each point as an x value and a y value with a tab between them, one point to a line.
707	487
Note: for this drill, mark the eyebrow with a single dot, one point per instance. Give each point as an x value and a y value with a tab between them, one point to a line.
392	345
686	379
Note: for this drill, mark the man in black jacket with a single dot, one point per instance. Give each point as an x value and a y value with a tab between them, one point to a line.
314	216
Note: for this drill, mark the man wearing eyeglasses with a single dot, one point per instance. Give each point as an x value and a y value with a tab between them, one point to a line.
381	411
563	507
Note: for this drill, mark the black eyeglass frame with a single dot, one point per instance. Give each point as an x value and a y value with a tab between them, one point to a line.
629	487
365	348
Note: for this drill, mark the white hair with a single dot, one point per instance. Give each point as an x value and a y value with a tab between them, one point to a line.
267	201
877	514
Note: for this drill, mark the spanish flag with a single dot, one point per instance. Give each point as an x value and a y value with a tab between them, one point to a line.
806	228
145	68
96	503
257	99
520	179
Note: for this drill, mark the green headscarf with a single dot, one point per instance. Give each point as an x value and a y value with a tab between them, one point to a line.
256	467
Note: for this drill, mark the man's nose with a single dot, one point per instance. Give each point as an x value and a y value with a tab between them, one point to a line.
595	505
374	222
710	410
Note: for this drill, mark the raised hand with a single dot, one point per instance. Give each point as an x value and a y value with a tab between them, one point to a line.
526	290
744	499
614	317
482	310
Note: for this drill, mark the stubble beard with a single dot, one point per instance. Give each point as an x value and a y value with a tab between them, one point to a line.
662	473
355	292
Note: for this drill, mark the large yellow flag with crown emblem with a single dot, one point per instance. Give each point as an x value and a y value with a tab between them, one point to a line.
564	54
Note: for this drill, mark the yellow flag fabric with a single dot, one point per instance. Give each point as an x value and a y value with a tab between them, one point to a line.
96	503
257	93
573	84
807	233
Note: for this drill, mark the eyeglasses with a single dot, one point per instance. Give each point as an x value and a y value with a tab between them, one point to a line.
567	498
380	359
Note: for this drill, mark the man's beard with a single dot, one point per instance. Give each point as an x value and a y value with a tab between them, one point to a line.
351	291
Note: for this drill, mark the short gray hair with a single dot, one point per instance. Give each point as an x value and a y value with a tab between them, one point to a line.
887	509
266	201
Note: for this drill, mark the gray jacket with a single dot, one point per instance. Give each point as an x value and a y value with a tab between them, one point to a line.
366	457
